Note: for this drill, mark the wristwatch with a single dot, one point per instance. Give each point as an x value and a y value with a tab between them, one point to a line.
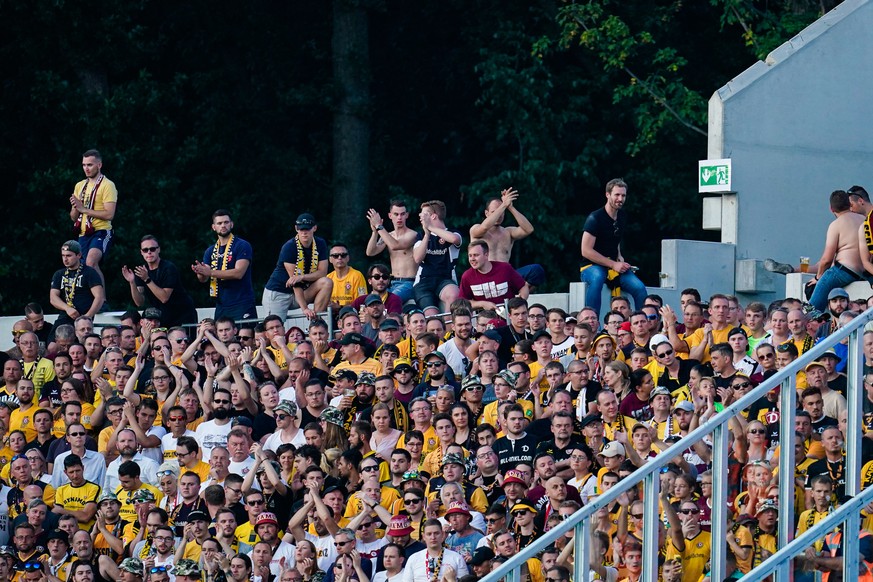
380	227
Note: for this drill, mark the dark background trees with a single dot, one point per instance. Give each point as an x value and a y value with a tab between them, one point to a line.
274	108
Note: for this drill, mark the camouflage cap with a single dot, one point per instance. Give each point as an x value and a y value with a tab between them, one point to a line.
367	378
332	415
108	496
185	567
471	381
143	496
510	377
453	459
132	565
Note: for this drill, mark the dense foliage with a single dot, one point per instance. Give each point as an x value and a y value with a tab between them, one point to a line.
199	105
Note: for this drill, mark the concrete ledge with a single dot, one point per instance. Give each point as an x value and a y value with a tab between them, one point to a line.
796	282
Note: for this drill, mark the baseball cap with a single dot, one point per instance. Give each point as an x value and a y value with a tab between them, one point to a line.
305	221
590	418
434	354
242	421
152	313
625	326
58	534
198	515
838	292
332	415
389	324
346	374
685	405
110	496
471	381
492	334
372	298
353	338
143	496
482	555
737	330
287	406
815	364
830	353
367	378
658	339
613	449
72	246
659	391
453	459
541	334
767	505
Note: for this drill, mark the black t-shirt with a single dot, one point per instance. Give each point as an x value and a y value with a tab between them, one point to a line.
839	384
440	258
514	452
508	339
179	307
606	231
77	284
557	453
836	471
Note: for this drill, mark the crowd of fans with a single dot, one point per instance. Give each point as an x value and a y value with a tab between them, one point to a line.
442	427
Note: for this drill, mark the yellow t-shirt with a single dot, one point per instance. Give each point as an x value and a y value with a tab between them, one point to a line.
76	498
105	193
44	372
489	413
695	557
23	421
809	518
125	497
60	429
245	534
193	551
348	288
368	365
201	468
430	442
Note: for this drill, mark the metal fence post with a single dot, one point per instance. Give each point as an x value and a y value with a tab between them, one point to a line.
718	518
651	525
787	404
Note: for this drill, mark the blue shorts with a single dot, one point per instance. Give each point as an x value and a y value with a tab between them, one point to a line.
100	240
427	291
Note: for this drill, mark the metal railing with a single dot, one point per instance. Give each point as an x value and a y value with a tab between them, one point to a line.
717	426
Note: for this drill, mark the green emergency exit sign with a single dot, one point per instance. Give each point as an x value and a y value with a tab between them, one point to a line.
714	176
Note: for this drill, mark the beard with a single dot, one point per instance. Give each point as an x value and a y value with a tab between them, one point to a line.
220	414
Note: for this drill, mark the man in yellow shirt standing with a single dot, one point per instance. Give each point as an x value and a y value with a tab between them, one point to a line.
348	282
22	417
92	208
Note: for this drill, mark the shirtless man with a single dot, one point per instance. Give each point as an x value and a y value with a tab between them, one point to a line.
500	239
840	263
399	244
859	203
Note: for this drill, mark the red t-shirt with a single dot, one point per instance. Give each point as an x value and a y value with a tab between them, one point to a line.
501	282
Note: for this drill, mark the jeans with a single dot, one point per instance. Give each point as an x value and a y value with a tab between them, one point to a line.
833	278
595	276
402	289
535	275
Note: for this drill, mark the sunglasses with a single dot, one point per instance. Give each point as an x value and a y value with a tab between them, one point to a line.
149	249
411	501
338	255
519	512
378	277
636	515
282	416
493	519
76	434
476	388
164	473
433	364
769	356
689	511
32	566
158	569
742	385
757	431
174	418
652	317
665	354
369	468
365	525
183	340
257	502
221	401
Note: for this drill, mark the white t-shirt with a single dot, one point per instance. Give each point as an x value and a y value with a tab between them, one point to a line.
562	349
168	445
416	567
275	440
156	454
209	435
383	577
241	468
455	358
325	549
148	472
283	558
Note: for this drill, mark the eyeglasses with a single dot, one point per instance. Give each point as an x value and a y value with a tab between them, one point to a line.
246	338
665	354
769	356
535	316
433	364
161	539
338	255
75	434
689	511
149	249
369	468
757	431
158	569
742	385
160	378
68	389
174	418
475	388
379	277
160	330
578	458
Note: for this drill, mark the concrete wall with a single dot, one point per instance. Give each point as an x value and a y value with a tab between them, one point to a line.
797	127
